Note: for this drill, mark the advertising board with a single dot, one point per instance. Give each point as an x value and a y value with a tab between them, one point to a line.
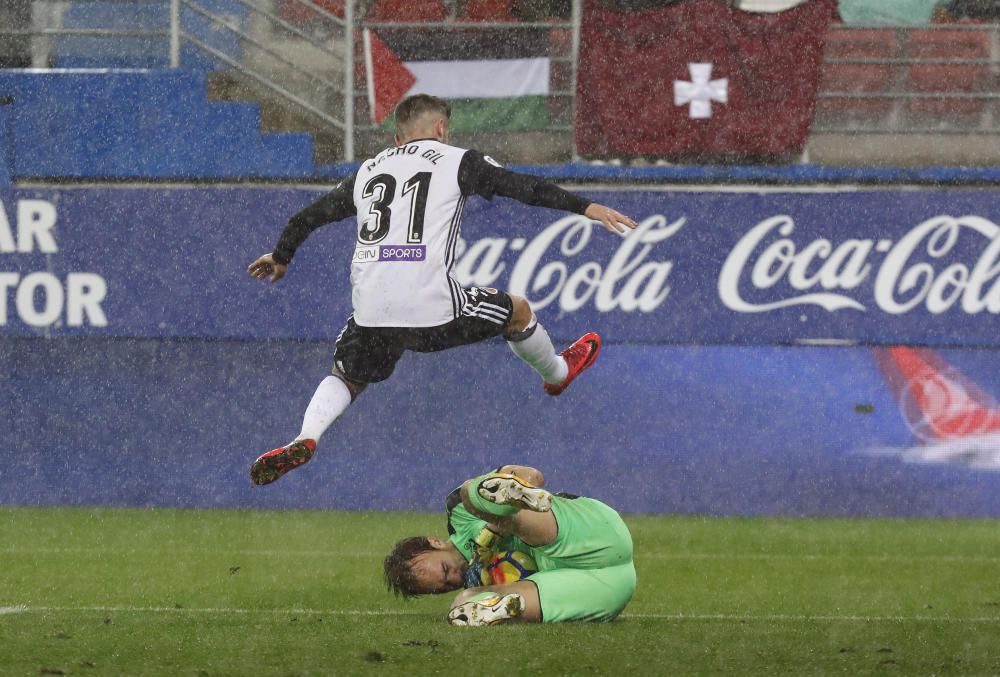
767	352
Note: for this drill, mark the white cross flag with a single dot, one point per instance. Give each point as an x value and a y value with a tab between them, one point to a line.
701	91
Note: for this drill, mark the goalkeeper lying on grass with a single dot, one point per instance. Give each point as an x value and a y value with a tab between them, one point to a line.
582	549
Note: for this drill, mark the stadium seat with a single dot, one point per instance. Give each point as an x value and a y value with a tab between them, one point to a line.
944	78
94	51
859	78
487	10
94	121
301	15
408	10
77	51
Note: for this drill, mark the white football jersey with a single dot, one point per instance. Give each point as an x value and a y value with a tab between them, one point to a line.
409	209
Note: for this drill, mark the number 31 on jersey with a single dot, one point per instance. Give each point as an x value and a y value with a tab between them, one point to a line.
383	189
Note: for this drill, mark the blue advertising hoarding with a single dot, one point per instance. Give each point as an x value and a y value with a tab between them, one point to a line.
746	268
700	403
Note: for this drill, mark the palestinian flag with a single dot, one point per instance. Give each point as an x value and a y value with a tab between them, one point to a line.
494	79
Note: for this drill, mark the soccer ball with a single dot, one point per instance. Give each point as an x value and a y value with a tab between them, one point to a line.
509	566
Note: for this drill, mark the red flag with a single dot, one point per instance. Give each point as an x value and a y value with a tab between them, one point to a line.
939	402
388	78
699	79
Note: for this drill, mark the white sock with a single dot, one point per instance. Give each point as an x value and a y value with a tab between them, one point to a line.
534	346
328	402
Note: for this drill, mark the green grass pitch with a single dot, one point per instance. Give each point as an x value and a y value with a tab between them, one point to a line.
188	592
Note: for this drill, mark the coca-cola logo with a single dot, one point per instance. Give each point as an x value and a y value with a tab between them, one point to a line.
917	270
554	267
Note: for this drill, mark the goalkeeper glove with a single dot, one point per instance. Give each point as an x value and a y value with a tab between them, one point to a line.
484	542
475	573
482	545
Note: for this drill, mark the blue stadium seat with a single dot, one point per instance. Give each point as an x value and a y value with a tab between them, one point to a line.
284	153
143	51
141	125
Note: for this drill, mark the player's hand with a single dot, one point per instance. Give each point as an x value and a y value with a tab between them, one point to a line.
612	220
266	267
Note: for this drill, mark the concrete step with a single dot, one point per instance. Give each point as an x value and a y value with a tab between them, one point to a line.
310	72
278	114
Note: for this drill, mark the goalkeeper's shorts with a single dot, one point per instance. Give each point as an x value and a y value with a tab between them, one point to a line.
586	573
584	594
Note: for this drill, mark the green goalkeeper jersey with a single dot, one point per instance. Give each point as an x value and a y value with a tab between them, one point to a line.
584	574
591	534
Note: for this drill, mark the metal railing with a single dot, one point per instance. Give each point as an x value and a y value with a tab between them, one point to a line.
308	62
889	88
270	54
294	80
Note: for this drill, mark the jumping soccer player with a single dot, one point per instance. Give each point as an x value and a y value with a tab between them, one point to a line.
581	546
408	200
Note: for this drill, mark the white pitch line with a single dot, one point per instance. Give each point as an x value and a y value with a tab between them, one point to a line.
800	618
104	552
210	610
832	556
399	612
680	556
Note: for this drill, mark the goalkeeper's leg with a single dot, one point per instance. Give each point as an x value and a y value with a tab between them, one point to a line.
513	505
496	604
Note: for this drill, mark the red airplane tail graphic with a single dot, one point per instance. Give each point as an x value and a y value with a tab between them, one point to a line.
939	403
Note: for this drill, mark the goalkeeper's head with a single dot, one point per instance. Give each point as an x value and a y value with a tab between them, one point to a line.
424	565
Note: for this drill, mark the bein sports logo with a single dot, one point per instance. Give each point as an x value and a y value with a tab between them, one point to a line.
953	420
388	252
918	270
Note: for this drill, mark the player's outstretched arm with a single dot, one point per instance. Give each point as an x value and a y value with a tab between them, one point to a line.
266	267
336	205
481	175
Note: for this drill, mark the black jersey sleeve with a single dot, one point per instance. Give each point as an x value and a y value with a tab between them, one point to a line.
453	501
481	175
336	205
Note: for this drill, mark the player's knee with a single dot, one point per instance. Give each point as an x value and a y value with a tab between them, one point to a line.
465	596
354	387
520	315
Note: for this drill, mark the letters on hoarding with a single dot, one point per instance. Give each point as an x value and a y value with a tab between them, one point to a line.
555	268
901	281
41	298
